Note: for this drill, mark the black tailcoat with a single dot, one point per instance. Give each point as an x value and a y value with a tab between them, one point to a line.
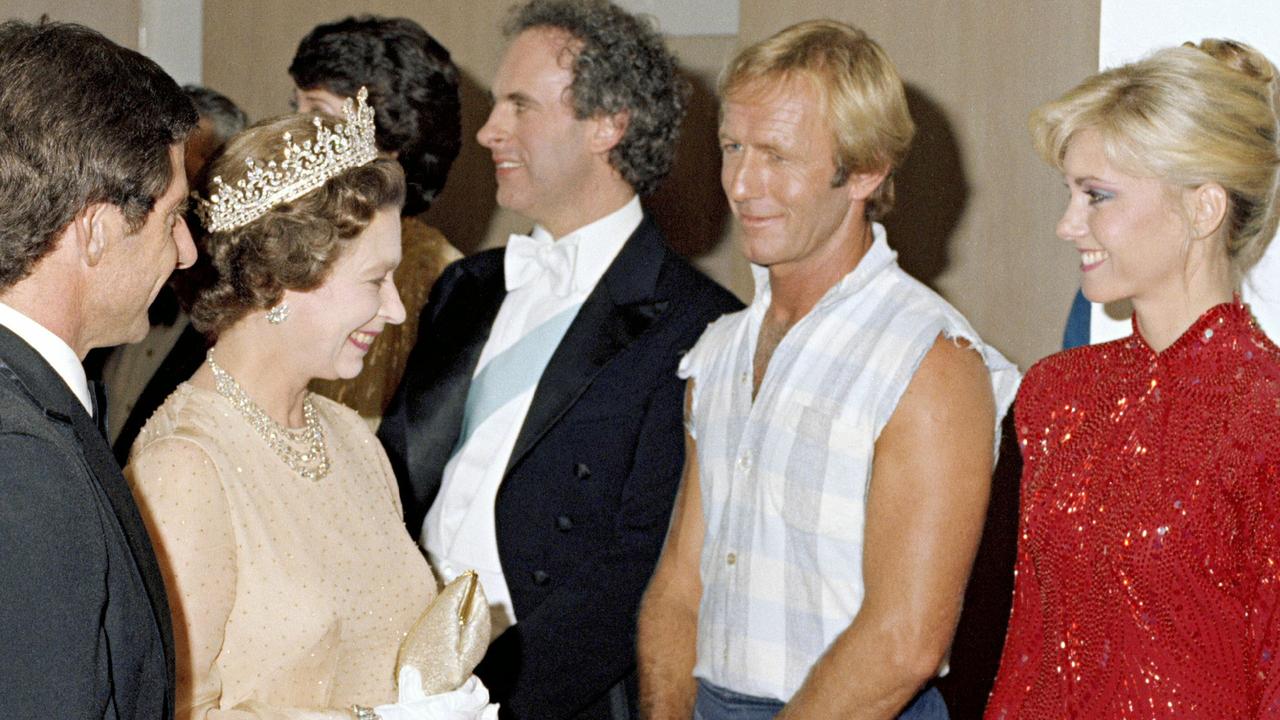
583	508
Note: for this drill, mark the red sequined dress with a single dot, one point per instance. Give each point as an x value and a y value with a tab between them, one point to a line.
1147	571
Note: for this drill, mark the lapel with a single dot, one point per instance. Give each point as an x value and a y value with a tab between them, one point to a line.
446	360
621	308
24	366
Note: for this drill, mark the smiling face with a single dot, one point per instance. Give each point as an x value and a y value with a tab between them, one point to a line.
777	164
1131	232
544	164
332	327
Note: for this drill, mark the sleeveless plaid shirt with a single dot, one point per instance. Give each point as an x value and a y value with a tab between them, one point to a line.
784	479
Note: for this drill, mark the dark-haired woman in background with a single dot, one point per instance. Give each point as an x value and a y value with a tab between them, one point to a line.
413	87
1148	570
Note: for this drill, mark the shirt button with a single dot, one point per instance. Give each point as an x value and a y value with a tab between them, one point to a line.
731	558
744	462
582	471
564	524
540	577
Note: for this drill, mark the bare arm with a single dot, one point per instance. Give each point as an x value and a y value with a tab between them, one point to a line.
668	622
925	509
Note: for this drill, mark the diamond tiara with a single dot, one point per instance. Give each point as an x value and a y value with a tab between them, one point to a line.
303	168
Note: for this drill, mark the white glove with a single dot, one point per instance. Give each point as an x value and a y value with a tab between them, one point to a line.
469	702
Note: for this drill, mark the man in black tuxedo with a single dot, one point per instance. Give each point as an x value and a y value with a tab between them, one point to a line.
537	430
92	192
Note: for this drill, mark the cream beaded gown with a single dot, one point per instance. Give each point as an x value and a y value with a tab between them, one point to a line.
290	596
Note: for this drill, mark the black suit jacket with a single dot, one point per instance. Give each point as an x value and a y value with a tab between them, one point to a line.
83	615
583	508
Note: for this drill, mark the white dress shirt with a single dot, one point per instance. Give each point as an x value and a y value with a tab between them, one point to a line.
53	349
458	532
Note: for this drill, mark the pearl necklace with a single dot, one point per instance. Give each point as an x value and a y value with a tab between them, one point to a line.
303	449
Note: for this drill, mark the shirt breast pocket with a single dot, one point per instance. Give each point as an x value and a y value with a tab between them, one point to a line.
820	484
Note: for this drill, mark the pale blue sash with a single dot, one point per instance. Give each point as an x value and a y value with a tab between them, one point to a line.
512	371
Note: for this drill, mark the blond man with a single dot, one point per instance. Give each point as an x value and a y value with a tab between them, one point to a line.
840	430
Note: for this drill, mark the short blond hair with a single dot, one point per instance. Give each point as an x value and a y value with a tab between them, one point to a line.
858	87
1189	115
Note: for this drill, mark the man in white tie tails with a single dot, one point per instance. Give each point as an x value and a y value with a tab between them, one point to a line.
537	432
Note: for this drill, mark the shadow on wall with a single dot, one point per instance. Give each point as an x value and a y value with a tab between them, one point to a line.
464	209
689	205
931	192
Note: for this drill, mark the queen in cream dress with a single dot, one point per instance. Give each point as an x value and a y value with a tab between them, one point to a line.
289	593
274	512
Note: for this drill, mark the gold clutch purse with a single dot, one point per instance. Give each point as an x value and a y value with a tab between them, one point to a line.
450	638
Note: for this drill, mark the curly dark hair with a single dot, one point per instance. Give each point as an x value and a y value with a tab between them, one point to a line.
82	121
413	87
294	245
621	64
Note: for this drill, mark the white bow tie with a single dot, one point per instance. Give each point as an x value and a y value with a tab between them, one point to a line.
527	258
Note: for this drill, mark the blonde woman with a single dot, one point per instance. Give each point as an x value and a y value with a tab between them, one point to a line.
1147	577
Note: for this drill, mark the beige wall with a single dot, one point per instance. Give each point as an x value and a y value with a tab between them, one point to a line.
976	208
117	19
690	205
248	46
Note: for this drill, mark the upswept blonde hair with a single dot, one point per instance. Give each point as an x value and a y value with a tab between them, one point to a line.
1189	115
857	85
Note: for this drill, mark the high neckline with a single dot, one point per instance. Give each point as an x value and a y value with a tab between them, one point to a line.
1200	332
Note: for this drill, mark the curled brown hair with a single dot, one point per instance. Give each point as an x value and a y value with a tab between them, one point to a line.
294	244
620	64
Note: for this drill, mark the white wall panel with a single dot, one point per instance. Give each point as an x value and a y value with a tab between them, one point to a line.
171	32
677	17
1129	30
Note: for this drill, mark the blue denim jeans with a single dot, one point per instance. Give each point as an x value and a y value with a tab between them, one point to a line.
717	703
